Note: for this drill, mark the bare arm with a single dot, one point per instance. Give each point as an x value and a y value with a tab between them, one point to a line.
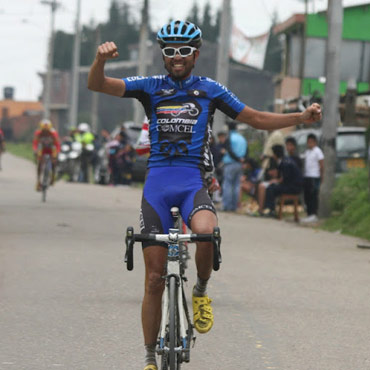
97	81
274	121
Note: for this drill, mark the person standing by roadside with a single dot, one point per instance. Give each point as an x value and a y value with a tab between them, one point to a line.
313	176
235	151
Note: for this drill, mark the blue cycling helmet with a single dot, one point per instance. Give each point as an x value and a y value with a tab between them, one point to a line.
180	32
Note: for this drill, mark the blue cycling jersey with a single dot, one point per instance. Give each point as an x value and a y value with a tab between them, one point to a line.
180	114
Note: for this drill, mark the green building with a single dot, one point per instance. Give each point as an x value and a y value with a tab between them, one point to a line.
306	76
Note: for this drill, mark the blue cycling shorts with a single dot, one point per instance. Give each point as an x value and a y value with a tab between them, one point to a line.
167	187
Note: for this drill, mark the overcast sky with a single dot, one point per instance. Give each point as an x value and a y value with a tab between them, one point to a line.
25	29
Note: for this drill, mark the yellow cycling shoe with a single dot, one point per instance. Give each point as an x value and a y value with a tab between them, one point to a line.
202	313
150	367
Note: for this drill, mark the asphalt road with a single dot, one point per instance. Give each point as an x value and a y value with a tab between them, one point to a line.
286	297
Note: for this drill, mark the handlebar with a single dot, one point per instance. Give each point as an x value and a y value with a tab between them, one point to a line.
173	237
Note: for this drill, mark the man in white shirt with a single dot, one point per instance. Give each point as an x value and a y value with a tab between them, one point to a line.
313	176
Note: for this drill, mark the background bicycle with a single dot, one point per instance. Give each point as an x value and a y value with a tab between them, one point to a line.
46	171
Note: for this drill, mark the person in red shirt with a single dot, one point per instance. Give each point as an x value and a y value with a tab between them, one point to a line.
45	141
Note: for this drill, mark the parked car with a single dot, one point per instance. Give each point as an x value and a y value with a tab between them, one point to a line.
350	146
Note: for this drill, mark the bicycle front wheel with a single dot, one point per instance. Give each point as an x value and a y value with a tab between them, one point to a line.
174	356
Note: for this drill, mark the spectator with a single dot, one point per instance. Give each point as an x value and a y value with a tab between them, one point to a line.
271	176
125	158
275	137
113	147
249	180
123	137
291	148
218	150
236	148
313	175
289	181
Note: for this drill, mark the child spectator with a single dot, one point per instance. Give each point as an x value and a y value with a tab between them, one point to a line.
313	175
291	148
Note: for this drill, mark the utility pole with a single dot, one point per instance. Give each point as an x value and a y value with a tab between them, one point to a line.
350	103
95	95
142	65
73	108
303	48
222	70
49	74
331	103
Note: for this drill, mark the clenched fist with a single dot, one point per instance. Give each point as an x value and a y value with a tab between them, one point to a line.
312	114
106	51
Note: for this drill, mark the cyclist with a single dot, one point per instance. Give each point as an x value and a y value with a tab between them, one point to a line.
180	108
45	141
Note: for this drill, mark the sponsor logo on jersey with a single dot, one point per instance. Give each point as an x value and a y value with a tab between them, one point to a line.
176	124
166	92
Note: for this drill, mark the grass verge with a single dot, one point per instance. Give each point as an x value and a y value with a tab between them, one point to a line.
351	205
23	150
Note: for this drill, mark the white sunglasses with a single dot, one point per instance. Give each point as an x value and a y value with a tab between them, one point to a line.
183	51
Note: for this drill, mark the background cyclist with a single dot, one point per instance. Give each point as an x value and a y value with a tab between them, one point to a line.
45	141
179	157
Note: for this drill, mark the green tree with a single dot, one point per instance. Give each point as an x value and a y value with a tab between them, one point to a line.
194	14
274	50
207	24
210	26
63	46
121	28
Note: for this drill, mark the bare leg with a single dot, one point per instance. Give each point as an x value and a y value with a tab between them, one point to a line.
155	260
39	163
203	222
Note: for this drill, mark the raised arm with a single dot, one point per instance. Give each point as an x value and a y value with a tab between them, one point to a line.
97	81
273	121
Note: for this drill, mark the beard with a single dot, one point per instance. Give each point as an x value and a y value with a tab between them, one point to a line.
179	73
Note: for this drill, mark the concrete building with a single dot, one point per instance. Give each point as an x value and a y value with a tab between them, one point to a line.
18	119
305	38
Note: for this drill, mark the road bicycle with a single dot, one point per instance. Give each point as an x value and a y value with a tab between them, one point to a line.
176	332
46	171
